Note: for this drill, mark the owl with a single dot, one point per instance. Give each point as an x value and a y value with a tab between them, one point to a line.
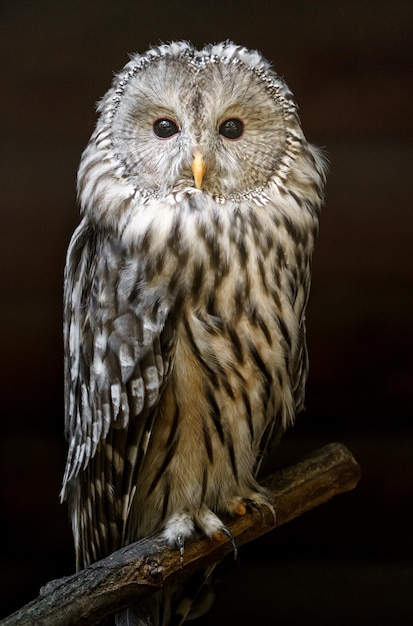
186	284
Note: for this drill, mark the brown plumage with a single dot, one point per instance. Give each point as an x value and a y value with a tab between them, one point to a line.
185	292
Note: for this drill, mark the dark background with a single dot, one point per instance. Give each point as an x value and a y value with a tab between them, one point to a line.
350	65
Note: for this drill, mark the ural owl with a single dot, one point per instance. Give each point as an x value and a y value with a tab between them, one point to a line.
185	291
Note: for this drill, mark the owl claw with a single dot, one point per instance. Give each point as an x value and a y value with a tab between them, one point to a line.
274	515
268	506
238	505
224	531
178	528
257	505
250	503
180	544
181	526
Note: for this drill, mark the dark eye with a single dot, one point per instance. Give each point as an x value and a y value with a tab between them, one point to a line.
232	128
165	128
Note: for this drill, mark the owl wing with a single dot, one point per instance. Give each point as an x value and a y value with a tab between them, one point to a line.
300	368
117	357
297	372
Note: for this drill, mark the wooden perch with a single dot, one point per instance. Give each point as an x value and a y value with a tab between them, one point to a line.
135	571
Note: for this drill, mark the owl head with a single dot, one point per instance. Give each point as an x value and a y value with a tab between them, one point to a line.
177	120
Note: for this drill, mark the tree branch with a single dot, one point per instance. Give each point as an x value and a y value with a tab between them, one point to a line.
135	571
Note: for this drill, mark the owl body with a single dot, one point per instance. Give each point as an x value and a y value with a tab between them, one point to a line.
185	292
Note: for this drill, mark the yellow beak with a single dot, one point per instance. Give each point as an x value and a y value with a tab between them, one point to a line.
198	169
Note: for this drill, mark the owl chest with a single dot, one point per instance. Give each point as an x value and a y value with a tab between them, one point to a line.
234	290
230	369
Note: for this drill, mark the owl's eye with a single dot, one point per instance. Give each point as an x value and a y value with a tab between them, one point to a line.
231	128
165	128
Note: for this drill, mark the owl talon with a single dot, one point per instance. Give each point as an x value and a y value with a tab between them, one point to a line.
223	531
180	544
273	513
239	505
251	504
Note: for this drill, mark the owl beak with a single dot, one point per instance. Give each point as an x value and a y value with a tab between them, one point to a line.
198	169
